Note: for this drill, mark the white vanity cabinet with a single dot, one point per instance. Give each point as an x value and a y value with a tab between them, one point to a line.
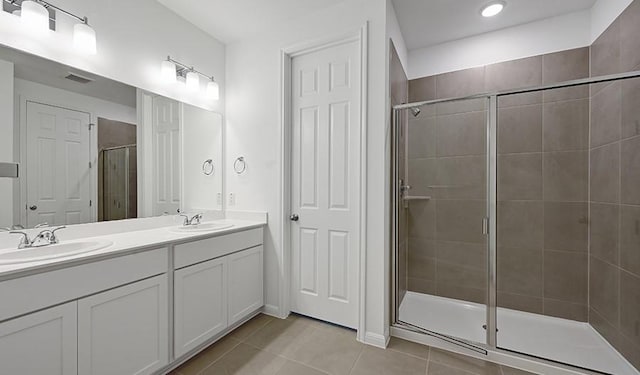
245	283
200	295
124	330
220	283
40	343
138	313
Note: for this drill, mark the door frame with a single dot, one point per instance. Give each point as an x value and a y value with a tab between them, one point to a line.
286	56
20	204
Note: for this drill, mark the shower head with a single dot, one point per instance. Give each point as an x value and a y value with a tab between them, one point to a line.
415	111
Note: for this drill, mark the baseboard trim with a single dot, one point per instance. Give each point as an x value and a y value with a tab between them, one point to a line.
376	339
272	310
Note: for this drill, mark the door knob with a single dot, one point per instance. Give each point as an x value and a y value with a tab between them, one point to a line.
294	217
33	208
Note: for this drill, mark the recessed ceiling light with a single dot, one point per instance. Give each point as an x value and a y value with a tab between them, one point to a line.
492	9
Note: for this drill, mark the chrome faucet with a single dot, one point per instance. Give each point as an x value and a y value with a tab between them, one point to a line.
195	220
44	238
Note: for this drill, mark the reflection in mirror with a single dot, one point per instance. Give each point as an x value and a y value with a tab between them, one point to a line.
91	149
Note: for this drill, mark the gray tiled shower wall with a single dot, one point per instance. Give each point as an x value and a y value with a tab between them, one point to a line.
568	187
614	275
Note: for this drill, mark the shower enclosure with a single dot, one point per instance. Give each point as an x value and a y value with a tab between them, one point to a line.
118	190
516	219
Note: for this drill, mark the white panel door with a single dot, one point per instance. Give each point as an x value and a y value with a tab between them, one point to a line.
200	304
58	172
166	156
246	290
42	343
325	183
124	331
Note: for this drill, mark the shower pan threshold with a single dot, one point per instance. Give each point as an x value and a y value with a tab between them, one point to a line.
561	340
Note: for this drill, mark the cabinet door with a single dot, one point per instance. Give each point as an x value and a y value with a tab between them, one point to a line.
200	298
245	283
124	331
42	343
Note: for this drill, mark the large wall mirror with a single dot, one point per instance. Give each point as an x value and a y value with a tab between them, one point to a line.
91	149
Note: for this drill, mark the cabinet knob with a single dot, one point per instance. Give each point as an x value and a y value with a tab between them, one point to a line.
294	217
33	207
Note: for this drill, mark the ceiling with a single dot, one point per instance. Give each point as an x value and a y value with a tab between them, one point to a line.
428	22
46	72
232	20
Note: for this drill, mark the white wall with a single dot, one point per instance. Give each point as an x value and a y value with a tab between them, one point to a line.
394	32
253	131
133	38
6	141
536	38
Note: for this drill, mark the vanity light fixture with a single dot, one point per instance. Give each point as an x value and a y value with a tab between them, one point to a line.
168	71
193	81
213	90
171	69
35	15
492	9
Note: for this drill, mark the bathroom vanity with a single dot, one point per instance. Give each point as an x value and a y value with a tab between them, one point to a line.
143	305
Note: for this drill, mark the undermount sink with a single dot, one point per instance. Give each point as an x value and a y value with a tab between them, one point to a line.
65	249
204	227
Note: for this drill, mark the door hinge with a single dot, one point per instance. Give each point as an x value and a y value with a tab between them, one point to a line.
90	165
90	202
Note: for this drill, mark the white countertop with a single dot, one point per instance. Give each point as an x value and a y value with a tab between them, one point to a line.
123	243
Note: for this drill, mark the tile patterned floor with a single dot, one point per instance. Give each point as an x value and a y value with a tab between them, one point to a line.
302	346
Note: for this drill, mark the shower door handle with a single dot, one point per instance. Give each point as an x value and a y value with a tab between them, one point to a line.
485	225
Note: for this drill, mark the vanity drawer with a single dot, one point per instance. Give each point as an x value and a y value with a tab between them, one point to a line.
200	251
30	293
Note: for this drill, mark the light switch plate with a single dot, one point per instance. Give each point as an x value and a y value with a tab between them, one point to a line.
9	170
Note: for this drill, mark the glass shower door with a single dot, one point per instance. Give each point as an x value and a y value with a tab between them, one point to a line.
568	214
441	211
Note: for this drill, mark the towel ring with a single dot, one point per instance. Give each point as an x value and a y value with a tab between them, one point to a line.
207	167
240	165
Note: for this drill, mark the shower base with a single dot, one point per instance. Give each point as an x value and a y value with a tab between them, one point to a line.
557	339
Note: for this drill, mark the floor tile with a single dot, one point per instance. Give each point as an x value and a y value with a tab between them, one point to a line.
208	356
461	362
435	368
330	349
374	361
293	368
250	327
408	347
280	336
246	360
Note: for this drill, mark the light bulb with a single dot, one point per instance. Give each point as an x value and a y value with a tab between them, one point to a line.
213	90
84	39
492	9
193	81
35	16
168	71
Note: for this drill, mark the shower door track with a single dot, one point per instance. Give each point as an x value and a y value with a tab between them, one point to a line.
441	336
491	227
